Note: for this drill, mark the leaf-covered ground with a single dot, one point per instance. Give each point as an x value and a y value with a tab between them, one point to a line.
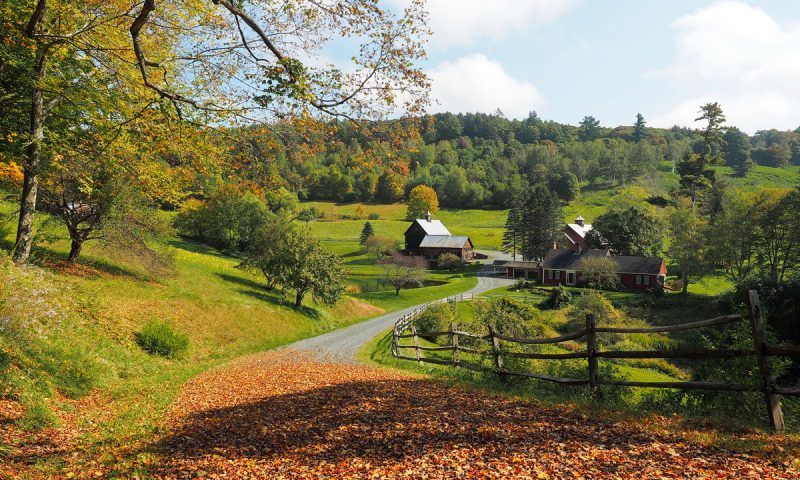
267	416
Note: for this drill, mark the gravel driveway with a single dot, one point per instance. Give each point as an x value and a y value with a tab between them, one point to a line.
340	346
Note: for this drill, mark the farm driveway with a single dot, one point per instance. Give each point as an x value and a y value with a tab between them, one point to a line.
340	346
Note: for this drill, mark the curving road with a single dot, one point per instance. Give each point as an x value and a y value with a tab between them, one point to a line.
340	346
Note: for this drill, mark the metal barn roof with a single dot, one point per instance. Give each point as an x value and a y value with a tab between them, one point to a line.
443	241
433	227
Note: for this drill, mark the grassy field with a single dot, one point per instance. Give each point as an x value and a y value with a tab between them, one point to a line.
224	311
485	227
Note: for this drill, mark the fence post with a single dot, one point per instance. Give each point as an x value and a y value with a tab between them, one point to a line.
591	350
454	343
498	358
416	345
759	342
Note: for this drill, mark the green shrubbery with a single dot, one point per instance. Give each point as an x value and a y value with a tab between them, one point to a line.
449	261
160	338
436	318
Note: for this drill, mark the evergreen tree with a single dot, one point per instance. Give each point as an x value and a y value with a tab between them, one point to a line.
638	128
589	129
694	169
737	151
512	237
366	232
713	134
541	220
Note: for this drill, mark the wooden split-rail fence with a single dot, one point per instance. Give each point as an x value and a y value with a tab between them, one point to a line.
762	352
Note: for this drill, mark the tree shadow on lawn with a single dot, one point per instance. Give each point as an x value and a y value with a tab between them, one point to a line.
391	421
244	282
279	300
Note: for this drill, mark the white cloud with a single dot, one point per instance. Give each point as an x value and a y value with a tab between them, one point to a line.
462	22
475	83
740	56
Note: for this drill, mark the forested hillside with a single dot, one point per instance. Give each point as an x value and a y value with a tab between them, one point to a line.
479	160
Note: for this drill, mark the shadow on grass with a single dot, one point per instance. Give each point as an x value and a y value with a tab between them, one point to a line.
194	246
278	300
244	282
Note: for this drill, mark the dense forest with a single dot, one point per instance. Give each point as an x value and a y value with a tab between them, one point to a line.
480	160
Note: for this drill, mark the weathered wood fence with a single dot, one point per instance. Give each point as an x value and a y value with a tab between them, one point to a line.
405	329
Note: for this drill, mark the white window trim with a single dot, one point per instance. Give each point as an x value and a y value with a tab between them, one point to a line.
574	277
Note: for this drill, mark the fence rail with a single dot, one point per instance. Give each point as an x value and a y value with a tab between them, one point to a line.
761	351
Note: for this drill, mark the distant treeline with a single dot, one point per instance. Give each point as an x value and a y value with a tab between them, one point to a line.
478	160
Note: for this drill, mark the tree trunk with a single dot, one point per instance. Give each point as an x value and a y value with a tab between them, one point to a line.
75	250
397	291
298	299
30	186
685	279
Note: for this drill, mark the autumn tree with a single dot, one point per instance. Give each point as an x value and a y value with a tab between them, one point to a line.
422	200
400	270
182	57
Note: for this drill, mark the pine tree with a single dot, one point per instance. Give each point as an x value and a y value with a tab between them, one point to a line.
512	237
638	128
541	221
366	232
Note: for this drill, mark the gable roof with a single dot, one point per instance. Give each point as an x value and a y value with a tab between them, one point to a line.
517	263
432	227
567	259
630	264
580	230
444	241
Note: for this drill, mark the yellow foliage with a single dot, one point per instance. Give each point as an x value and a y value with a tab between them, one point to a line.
11	172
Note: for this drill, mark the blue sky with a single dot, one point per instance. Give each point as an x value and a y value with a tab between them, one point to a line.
614	58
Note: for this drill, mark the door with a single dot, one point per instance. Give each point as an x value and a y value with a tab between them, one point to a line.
570	278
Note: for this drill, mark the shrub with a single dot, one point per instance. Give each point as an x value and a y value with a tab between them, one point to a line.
373	216
449	261
160	338
436	318
559	297
596	303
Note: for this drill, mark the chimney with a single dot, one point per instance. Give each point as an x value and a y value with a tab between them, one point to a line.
579	220
428	216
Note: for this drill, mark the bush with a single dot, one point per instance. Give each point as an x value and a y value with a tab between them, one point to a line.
449	261
436	318
160	338
559	297
373	216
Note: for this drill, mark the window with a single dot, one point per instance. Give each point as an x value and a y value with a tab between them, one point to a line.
645	279
638	279
570	278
